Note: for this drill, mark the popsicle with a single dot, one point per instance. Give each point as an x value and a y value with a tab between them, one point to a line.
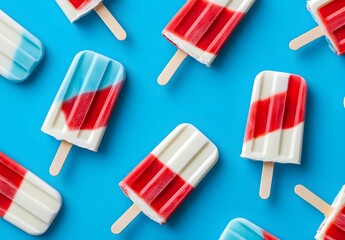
20	51
330	15
75	9
162	181
200	29
82	108
25	200
333	227
240	228
274	131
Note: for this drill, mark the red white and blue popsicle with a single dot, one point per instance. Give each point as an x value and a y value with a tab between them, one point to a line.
20	51
82	108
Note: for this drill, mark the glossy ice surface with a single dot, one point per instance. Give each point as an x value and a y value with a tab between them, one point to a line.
275	122
162	181
242	229
85	101
25	200
20	51
333	227
330	14
202	27
75	9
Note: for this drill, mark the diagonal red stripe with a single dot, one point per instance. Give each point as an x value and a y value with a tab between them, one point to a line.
280	111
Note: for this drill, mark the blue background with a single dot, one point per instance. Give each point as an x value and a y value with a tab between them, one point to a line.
215	99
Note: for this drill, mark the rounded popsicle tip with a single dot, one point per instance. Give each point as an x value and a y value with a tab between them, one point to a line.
298	188
264	194
115	229
293	45
162	80
121	35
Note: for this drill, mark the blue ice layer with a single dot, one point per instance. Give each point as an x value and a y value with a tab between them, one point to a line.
241	229
28	55
90	72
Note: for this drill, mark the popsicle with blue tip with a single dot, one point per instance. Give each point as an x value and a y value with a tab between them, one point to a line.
20	51
82	108
75	9
242	229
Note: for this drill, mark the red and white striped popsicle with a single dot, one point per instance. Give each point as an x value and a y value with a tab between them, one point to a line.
275	123
25	200
163	180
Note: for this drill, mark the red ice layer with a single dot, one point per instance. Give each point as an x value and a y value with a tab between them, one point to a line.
281	111
268	236
204	24
11	176
78	4
91	110
336	230
161	188
333	18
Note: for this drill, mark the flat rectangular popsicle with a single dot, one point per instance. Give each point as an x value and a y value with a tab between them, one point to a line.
240	229
75	9
162	181
333	227
275	124
82	108
330	15
201	28
25	200
20	51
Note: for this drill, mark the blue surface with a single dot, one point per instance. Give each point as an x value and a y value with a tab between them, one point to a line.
215	99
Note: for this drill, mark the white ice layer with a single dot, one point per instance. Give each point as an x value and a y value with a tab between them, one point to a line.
283	146
338	204
57	127
10	39
34	206
187	152
74	14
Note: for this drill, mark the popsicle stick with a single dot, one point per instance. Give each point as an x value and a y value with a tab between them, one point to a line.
266	179
125	219
111	22
60	158
314	200
306	38
172	66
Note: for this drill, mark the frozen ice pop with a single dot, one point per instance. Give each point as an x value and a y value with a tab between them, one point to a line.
200	29
162	181
274	131
25	200
75	9
333	227
330	15
82	108
240	228
20	51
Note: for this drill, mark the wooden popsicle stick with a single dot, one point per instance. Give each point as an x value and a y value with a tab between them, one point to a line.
306	38
314	200
60	158
266	179
172	66
125	219
110	21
